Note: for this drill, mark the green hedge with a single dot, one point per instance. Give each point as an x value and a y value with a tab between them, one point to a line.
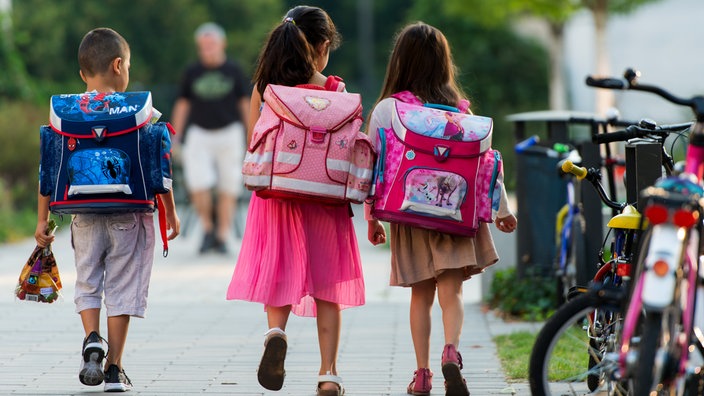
19	165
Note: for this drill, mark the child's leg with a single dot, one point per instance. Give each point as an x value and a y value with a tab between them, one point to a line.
117	335
91	320
328	321
422	298
278	316
450	298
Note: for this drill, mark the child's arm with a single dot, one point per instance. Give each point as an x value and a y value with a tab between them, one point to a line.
40	233
376	233
505	220
172	221
255	103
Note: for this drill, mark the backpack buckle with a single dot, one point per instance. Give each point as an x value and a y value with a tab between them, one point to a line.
99	132
317	134
441	153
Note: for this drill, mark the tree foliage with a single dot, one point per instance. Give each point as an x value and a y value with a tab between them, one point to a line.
160	33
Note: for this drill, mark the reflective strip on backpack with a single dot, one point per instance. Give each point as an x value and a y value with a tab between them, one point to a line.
308	186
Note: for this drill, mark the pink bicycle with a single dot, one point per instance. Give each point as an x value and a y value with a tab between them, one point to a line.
661	334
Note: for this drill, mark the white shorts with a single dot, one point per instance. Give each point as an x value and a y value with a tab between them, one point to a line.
213	158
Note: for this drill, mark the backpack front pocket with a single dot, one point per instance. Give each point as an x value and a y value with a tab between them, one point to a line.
434	192
99	171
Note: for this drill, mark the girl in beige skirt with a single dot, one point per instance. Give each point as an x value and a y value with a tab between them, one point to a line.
430	261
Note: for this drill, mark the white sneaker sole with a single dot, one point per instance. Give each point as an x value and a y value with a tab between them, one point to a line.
116	387
91	373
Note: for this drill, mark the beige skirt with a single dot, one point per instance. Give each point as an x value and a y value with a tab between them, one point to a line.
418	254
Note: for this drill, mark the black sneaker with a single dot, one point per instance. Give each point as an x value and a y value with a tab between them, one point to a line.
91	373
116	380
208	243
220	247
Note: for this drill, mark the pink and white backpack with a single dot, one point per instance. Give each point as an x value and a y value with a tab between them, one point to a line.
436	168
307	144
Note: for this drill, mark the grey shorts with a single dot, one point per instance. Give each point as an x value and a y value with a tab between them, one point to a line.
114	256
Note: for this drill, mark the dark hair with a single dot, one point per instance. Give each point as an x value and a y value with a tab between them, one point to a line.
99	48
288	57
421	62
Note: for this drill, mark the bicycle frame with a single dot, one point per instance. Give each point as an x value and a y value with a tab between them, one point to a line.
566	256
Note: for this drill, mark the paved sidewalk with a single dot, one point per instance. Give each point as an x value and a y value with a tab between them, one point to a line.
195	342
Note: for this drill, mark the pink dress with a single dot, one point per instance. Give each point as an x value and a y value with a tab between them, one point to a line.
293	252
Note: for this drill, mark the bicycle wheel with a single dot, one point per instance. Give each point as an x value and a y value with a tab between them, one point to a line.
574	353
647	349
658	355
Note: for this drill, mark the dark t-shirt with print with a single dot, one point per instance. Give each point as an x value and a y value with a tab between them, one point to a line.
214	94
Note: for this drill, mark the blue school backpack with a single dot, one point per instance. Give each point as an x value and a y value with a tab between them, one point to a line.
104	153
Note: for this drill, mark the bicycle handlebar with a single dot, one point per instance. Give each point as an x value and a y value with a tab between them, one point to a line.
630	82
593	176
607	83
578	171
646	128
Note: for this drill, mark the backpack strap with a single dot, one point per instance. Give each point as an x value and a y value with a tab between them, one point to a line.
162	225
463	105
334	83
409	97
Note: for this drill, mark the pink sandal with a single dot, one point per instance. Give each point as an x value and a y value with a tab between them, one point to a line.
421	384
455	384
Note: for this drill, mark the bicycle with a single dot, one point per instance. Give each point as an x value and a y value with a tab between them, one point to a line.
660	333
570	224
587	328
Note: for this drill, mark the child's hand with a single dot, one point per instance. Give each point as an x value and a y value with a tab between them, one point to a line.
376	232
506	224
41	234
173	223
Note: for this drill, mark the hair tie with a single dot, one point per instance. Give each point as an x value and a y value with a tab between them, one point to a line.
289	19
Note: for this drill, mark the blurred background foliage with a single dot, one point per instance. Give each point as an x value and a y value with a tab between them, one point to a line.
502	72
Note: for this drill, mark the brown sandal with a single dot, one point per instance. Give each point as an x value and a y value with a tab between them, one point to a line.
271	371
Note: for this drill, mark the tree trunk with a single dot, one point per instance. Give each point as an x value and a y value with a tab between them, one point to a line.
557	93
604	98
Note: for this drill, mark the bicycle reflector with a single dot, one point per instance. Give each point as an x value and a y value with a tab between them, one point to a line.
685	218
660	268
656	214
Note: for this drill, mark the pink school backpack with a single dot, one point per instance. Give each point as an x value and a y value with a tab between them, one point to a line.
307	144
436	168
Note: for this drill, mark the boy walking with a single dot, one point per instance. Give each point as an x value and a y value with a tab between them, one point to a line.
113	252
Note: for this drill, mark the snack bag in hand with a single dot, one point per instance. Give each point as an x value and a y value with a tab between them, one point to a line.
39	280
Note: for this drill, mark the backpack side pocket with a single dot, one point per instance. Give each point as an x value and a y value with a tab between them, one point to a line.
359	182
49	150
489	184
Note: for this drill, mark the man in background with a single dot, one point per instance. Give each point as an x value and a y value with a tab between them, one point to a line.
209	117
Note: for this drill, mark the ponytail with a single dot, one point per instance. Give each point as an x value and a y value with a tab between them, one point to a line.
289	55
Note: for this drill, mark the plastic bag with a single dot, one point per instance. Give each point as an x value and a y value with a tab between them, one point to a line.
39	280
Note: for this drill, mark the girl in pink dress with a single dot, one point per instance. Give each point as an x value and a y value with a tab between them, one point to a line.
298	257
